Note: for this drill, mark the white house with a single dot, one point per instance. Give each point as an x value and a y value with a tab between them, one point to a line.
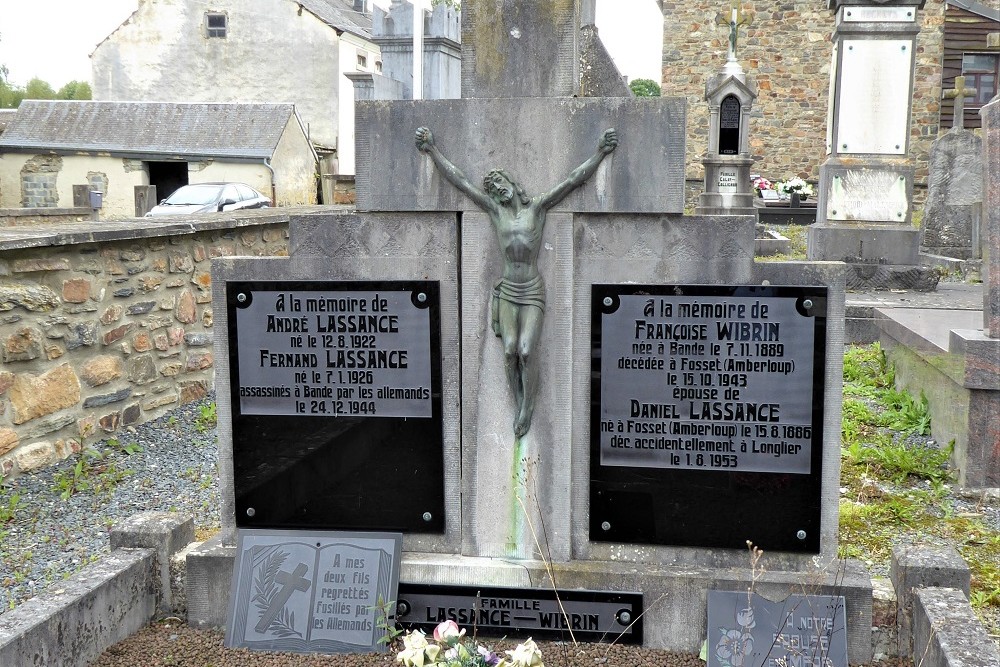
273	51
50	146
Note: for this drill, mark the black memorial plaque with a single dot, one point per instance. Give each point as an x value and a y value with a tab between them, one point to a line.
729	126
336	400
706	415
594	616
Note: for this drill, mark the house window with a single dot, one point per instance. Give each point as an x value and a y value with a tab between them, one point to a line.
215	25
362	61
378	66
982	71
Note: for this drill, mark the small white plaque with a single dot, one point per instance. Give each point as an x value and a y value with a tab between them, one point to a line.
874	109
727	181
879	15
868	195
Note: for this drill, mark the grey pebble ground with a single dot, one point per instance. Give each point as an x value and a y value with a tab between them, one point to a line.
172	467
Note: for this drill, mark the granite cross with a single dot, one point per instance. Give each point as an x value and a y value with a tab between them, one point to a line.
290	582
736	19
959	93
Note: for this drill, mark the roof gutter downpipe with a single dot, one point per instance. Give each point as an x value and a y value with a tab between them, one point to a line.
274	193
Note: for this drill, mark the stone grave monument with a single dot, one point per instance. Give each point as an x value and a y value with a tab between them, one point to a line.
730	94
685	400
864	211
953	210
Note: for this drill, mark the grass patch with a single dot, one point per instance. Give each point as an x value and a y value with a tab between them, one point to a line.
894	488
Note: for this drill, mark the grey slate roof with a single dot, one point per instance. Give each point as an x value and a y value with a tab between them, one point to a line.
340	14
148	128
6	115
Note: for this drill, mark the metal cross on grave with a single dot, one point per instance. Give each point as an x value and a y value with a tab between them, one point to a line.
735	19
290	582
959	93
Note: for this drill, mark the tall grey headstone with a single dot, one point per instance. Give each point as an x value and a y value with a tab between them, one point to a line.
991	206
953	209
866	184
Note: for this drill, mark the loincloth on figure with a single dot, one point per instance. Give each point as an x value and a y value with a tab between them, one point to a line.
530	293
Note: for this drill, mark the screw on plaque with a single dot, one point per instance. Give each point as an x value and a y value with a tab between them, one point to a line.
402	608
605	525
801	534
241	297
807	304
421	297
251	511
608	301
427	516
624	617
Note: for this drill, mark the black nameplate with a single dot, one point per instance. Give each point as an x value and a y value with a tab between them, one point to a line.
521	612
706	415
336	400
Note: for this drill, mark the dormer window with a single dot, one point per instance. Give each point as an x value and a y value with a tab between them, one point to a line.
362	61
216	24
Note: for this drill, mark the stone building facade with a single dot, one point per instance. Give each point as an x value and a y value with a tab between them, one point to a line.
788	50
97	336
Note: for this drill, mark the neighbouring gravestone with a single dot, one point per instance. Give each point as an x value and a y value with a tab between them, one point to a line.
313	592
730	94
748	630
866	183
517	511
991	199
953	210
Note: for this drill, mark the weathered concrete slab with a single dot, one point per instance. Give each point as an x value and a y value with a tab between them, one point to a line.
921	567
97	607
947	633
553	136
165	533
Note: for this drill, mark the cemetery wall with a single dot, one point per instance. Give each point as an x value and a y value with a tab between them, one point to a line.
107	325
788	51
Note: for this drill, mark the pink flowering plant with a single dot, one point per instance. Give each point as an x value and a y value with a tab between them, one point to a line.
761	183
450	648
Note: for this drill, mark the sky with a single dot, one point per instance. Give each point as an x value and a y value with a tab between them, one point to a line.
52	39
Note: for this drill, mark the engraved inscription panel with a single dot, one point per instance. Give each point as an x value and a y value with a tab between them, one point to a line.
879	14
334	353
706	415
868	195
702	382
874	105
728	180
311	592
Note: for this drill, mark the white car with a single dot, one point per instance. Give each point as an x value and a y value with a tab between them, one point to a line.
210	197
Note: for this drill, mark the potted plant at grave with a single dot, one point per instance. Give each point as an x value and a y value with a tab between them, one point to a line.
796	189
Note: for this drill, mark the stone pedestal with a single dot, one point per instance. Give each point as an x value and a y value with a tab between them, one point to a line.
866	184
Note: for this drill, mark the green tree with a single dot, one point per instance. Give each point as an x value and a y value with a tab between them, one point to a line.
75	90
39	90
10	96
644	88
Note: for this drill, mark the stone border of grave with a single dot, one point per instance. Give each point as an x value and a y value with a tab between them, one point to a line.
144	577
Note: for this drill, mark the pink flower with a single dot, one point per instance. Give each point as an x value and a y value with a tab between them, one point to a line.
448	632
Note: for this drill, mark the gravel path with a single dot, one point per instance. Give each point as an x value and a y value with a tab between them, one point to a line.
172	466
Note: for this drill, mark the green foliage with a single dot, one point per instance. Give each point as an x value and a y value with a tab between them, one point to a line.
93	470
454	4
385	620
644	88
39	90
207	417
9	507
75	90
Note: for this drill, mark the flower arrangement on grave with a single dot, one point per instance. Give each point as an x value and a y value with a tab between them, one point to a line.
795	186
761	183
450	648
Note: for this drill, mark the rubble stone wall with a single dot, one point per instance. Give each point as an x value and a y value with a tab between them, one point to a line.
98	335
